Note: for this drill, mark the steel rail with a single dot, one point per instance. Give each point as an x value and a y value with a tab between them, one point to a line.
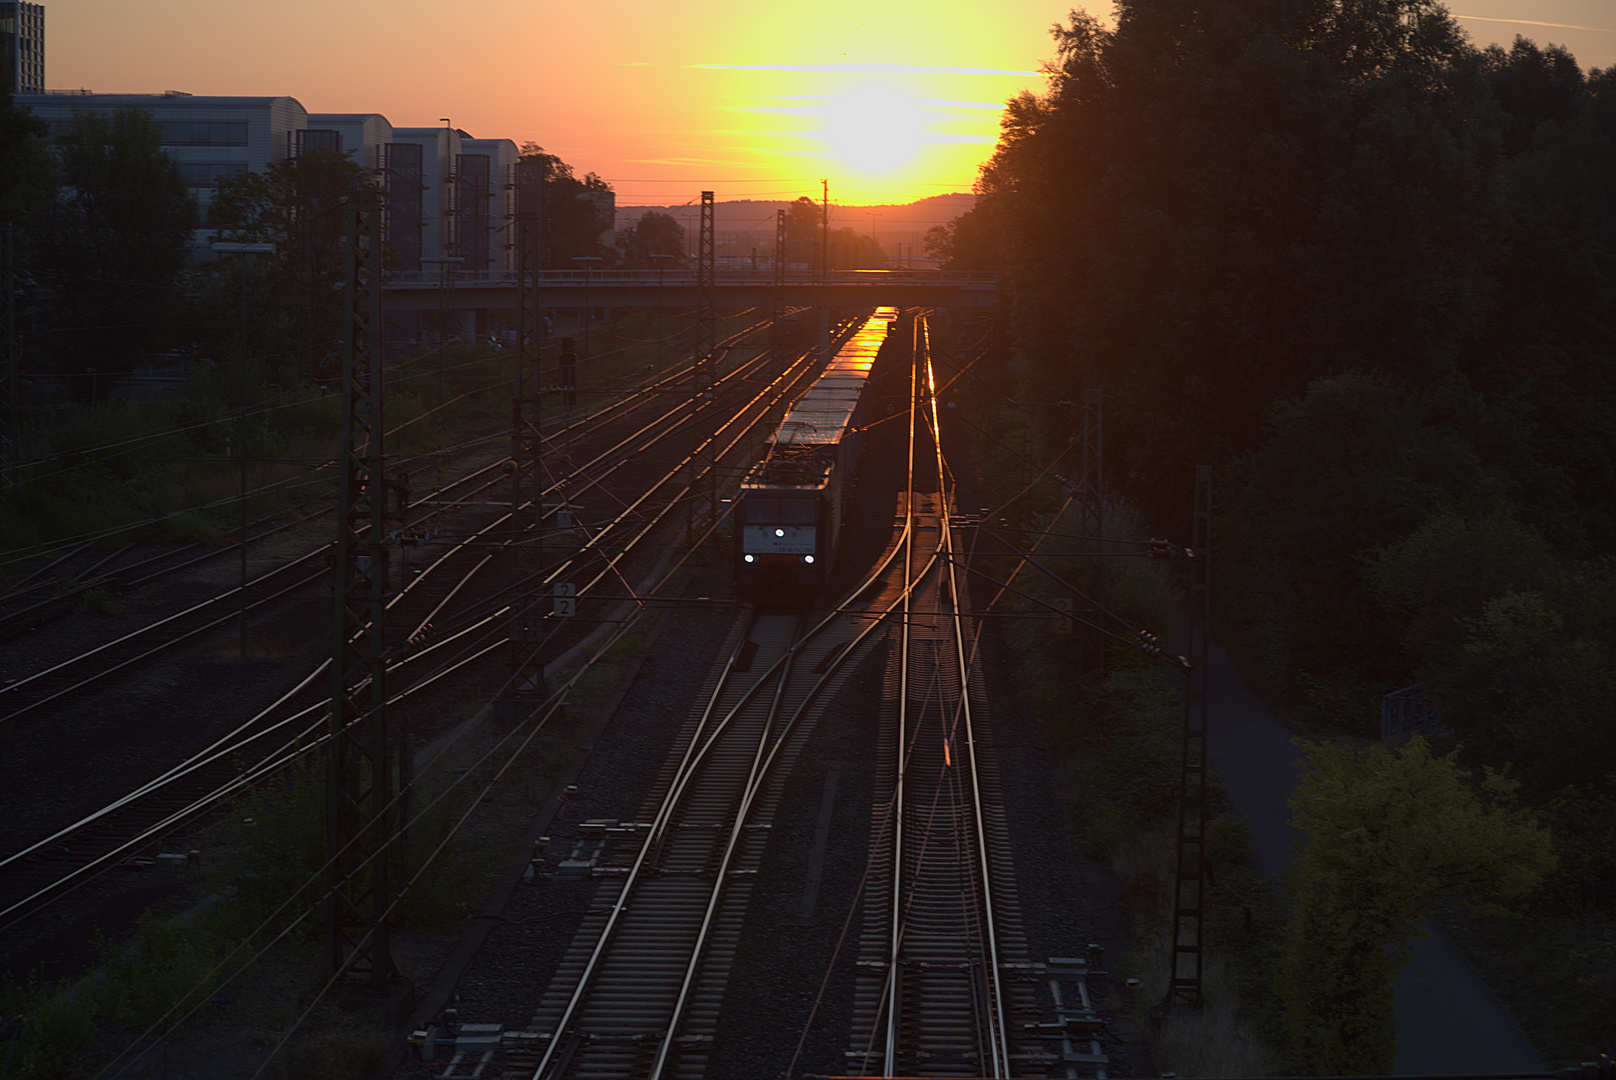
230	744
767	761
997	1023
311	736
702	742
234	744
709	729
131	636
955	795
434	501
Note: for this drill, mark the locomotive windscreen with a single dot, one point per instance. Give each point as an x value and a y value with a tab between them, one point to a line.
761	510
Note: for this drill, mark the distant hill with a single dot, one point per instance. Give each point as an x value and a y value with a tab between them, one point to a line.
749	223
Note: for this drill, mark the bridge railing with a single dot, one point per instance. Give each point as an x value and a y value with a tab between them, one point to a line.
592	278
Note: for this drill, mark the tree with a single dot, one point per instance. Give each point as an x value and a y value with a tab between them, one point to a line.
295	204
853	250
966	243
653	234
1537	675
1389	833
1571	170
1216	202
1355	463
1533	86
24	162
577	213
804	232
109	247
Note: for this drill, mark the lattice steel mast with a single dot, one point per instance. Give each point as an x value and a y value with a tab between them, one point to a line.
701	389
1184	987
527	473
361	810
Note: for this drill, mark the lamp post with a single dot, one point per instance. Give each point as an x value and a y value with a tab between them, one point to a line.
241	415
588	274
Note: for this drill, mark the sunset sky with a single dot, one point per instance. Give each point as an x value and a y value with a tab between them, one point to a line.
890	100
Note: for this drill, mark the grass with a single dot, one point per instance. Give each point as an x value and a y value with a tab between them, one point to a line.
1557	973
1118	730
189	968
169	471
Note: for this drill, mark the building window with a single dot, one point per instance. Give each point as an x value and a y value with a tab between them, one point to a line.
204	132
206	173
312	139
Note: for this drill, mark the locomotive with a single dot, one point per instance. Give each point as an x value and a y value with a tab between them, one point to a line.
789	511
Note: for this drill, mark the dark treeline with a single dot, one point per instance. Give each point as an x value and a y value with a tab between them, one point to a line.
1368	271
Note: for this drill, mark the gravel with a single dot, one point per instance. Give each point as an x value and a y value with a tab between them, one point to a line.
792	976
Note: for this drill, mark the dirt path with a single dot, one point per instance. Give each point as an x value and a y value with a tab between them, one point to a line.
1448	1020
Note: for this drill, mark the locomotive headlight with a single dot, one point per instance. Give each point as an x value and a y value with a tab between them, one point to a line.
807	558
779	532
749	558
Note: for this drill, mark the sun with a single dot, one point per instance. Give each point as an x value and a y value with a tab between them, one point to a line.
873	130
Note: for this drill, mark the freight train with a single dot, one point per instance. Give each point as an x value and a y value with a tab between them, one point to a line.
788	515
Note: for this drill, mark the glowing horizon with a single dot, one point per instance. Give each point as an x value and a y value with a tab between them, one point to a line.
890	101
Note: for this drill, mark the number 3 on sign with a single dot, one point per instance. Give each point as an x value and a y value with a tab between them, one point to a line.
565	603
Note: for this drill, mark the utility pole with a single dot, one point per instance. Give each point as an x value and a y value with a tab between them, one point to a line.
824	228
777	331
361	811
706	335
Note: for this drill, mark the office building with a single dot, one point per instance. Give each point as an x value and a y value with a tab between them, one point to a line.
209	136
485	206
22	28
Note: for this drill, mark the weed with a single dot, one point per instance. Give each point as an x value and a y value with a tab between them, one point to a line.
190	528
167	968
99	602
54	1029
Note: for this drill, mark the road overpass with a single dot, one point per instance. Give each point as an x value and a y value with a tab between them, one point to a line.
433	290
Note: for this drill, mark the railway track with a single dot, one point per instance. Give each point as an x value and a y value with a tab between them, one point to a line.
450	613
62	579
614	436
941	942
945	985
941	949
638	992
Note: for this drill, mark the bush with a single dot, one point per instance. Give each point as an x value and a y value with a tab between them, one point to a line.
58	1029
166	971
280	843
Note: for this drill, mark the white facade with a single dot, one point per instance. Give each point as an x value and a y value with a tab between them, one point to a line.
208	136
486	206
439	146
449	196
362	136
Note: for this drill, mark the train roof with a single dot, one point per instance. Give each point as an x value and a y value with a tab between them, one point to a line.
822	414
